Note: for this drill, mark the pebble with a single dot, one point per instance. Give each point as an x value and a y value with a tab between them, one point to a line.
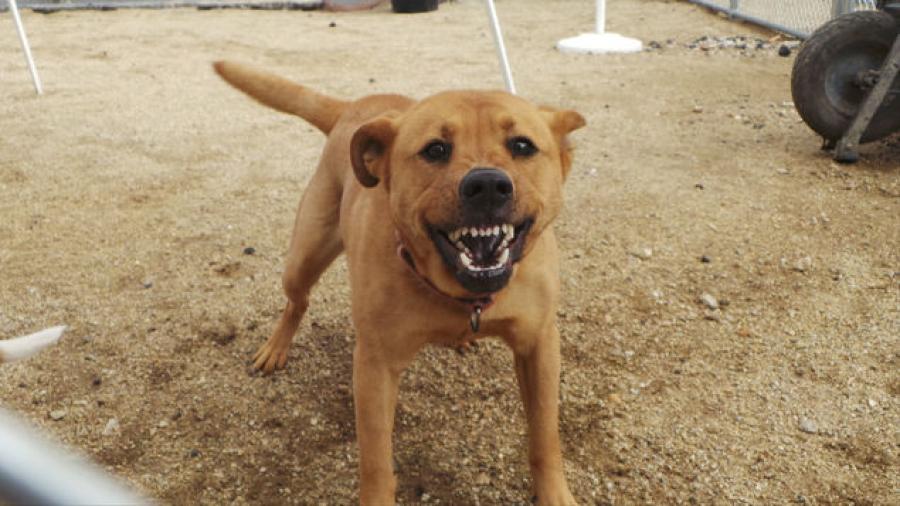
642	253
709	301
705	259
112	427
249	250
482	479
803	264
808	426
615	399
698	109
782	170
58	414
784	51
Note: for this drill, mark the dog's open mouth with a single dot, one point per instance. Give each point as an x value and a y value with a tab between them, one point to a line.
481	256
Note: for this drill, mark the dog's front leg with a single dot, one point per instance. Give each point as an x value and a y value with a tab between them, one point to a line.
375	384
537	369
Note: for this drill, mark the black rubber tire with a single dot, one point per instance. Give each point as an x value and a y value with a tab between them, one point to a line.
822	78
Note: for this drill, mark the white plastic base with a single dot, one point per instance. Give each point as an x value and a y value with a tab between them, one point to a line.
599	43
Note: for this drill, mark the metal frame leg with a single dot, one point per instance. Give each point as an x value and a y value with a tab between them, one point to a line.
846	147
23	40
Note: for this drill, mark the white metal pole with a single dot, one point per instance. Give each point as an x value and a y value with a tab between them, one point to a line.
601	16
501	48
23	39
34	472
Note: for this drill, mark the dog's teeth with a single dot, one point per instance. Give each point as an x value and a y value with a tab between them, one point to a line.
473	232
496	229
466	261
460	246
503	257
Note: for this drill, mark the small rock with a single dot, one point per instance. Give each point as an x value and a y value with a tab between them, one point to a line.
112	427
332	25
803	264
808	426
698	109
482	479
163	424
642	253
784	51
194	453
147	283
782	170
249	250
58	414
709	301
614	399
872	403
705	259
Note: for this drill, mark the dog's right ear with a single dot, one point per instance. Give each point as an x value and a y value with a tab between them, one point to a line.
370	150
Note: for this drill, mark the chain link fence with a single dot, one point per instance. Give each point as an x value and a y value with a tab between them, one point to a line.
798	18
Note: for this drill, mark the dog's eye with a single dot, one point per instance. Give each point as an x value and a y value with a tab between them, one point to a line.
521	147
436	151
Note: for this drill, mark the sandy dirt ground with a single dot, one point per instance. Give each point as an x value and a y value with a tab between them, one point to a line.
130	192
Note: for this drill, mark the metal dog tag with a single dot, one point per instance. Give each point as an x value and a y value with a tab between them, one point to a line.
475	319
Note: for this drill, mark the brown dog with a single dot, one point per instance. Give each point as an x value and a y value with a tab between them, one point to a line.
444	209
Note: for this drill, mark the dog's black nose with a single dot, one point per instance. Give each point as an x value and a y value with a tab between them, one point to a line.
485	189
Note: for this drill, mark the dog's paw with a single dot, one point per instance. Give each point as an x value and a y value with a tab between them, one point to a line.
269	358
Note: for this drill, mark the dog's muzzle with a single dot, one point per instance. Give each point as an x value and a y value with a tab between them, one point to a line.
483	248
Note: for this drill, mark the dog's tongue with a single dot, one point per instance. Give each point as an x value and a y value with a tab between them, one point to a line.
484	249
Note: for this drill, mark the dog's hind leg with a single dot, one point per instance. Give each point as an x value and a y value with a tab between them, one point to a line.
315	243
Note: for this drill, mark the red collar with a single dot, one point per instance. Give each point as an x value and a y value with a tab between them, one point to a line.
475	306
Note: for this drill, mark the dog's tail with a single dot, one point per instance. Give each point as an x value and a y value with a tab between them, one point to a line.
26	346
283	95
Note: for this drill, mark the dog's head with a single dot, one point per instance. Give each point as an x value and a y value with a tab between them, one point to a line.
473	179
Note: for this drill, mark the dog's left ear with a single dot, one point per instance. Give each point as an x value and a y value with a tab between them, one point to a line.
562	123
370	148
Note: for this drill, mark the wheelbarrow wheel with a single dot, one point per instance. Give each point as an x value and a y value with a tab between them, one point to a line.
833	75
